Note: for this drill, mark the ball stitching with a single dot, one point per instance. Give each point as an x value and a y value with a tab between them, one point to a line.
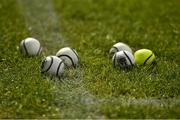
69	58
49	66
75	53
114	60
115	48
148	58
24	45
58	68
128	58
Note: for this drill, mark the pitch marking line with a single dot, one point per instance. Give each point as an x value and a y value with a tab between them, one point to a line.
42	22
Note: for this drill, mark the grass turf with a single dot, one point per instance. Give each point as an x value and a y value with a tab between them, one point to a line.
96	90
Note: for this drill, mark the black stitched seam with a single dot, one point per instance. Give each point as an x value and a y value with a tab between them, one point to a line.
115	48
148	58
128	57
114	60
69	58
75	53
24	45
58	68
49	65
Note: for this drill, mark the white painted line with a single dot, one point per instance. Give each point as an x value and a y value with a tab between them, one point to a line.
42	22
150	101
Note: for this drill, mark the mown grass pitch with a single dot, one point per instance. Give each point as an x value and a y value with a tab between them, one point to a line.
96	89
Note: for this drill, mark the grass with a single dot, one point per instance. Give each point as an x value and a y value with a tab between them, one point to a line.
96	89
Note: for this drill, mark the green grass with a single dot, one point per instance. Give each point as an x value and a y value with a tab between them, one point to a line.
96	89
